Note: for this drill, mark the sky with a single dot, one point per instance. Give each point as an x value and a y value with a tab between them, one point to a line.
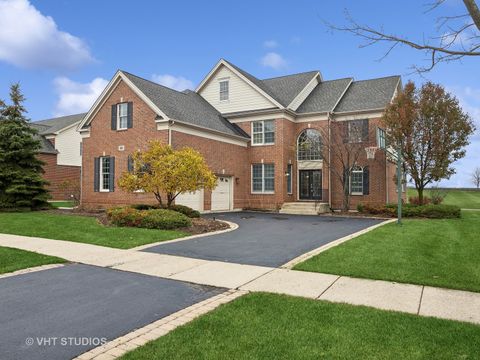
64	52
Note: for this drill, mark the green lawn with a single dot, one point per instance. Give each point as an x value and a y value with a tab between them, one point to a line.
15	259
442	253
267	326
463	198
58	204
80	229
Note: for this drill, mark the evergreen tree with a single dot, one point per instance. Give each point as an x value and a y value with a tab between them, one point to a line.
21	182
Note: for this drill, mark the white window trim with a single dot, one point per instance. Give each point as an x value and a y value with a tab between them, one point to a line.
118	116
263	143
263	192
220	81
356	193
100	174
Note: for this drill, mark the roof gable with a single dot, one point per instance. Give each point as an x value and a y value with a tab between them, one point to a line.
325	96
56	125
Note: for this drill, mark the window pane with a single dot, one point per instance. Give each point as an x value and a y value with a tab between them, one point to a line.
309	145
269	125
356	182
105	173
258	138
223	90
269	137
269	170
269	184
257	127
257	177
123	122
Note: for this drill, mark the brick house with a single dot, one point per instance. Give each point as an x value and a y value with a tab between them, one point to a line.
262	138
61	151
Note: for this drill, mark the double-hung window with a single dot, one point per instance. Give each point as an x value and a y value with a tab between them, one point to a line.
263	178
263	132
105	173
381	138
122	116
356	181
224	90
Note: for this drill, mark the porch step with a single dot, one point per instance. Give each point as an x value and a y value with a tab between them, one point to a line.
304	208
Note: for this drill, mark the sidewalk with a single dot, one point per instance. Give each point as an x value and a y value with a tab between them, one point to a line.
414	299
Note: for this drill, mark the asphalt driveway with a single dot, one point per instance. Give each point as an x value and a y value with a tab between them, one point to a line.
266	239
66	311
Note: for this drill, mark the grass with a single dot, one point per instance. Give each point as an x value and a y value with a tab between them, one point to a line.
58	204
15	259
465	199
440	253
80	229
267	326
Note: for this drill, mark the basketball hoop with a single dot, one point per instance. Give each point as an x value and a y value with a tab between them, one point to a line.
371	152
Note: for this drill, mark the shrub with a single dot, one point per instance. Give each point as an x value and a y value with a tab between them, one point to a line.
360	208
151	219
437	195
144	206
416	201
164	219
430	211
185	210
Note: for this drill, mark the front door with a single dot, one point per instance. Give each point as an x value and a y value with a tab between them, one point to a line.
310	184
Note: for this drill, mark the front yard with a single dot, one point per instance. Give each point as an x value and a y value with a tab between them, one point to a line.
441	253
267	326
15	259
80	229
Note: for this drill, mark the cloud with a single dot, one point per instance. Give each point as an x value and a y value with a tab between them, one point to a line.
76	97
274	61
469	99
270	44
178	83
29	39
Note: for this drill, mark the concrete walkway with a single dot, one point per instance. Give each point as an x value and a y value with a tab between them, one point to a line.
414	299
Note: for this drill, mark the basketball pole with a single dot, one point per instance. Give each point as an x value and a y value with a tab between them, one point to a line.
399	183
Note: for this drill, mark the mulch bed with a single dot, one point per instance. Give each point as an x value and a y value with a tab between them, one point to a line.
199	225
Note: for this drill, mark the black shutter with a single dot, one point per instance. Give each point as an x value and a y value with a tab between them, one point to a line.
130	163
365	131
96	174
114	117
130	115
366	181
112	174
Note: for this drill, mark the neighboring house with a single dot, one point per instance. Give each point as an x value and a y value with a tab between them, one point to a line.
61	151
247	129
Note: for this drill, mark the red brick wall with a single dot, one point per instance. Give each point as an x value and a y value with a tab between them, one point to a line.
104	141
56	174
223	159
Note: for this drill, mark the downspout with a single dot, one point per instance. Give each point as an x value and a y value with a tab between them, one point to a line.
171	122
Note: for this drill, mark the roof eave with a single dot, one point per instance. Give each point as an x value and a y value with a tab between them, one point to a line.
238	137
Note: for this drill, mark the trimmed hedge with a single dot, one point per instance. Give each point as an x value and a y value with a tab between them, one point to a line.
151	219
185	210
430	211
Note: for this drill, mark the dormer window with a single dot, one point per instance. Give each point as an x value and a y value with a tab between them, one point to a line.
224	90
122	116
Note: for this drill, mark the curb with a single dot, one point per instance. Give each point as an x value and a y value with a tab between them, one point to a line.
233	226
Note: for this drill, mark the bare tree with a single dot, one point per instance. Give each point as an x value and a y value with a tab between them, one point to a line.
476	177
458	35
343	144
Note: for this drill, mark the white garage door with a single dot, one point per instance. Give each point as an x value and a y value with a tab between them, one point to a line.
222	194
193	200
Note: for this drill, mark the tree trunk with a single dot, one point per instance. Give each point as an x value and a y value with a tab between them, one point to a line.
420	196
170	198
158	197
346	198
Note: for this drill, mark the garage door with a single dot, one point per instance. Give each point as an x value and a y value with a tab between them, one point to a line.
221	195
193	200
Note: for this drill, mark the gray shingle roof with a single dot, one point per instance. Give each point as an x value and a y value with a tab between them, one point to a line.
185	106
286	88
283	88
324	97
50	126
368	94
46	146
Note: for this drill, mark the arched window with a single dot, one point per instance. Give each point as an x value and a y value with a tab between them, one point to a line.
309	145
